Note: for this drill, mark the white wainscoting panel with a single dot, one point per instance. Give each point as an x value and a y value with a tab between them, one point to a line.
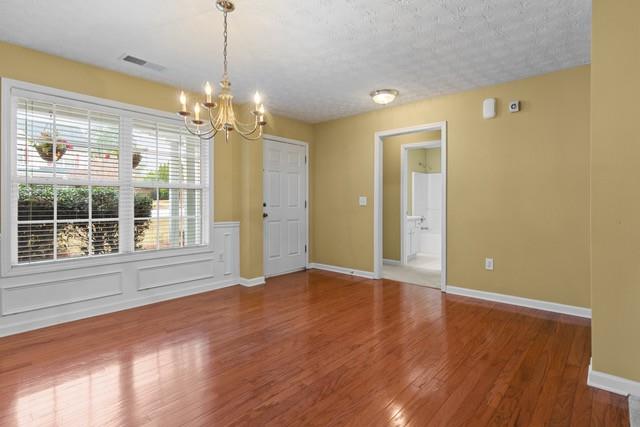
32	296
171	273
31	301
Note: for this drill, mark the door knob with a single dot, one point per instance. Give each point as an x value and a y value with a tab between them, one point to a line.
264	215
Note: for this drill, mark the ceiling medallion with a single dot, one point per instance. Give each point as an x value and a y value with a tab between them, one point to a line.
218	114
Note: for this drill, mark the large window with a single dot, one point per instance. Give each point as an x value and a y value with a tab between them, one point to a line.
91	180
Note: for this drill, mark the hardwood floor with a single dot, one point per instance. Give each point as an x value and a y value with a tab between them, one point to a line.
310	348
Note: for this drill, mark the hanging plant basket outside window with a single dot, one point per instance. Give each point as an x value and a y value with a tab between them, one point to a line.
137	158
44	147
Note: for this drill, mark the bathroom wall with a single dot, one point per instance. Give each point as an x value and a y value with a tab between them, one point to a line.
426	160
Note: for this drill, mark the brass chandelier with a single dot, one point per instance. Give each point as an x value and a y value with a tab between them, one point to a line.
218	115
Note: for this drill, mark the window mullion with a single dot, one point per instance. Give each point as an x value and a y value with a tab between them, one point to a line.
55	222
90	192
54	140
206	201
157	189
125	170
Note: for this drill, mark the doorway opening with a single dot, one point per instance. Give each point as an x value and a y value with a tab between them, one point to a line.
410	204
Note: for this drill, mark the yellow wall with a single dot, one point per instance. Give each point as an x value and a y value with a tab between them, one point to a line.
518	186
615	188
238	165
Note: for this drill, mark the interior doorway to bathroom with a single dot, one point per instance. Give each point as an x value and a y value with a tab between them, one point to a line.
412	205
421	211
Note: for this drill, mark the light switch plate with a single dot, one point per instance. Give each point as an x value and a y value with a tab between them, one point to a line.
488	264
362	200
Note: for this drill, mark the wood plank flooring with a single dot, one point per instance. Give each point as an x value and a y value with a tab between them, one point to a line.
310	348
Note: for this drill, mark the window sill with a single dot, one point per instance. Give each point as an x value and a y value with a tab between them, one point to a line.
102	260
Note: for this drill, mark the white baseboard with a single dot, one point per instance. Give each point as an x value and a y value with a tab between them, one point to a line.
282	273
522	302
69	316
612	383
342	270
634	410
391	262
252	282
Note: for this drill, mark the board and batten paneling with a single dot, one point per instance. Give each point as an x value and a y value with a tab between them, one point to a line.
31	301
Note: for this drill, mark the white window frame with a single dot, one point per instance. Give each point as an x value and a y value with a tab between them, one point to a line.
13	89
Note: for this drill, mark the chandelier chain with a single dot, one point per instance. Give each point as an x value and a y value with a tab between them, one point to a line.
226	35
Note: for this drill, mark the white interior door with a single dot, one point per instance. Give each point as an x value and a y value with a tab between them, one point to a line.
285	205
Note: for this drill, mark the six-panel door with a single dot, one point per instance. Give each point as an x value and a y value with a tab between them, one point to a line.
285	223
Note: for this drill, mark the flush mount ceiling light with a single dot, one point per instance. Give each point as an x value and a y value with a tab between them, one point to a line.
384	96
219	114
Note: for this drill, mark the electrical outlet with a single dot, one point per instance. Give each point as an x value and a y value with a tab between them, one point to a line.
488	264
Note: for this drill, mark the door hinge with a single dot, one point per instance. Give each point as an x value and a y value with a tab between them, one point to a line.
305	160
305	204
305	249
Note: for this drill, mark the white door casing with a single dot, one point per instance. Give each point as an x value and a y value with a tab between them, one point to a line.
285	206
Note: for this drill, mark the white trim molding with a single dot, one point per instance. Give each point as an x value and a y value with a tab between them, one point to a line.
391	261
343	270
612	383
521	302
634	410
256	281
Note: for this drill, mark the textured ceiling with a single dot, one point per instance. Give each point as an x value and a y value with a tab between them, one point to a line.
314	59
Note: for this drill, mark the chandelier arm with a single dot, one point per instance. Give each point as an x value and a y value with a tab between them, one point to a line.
251	132
249	128
244	129
198	133
208	135
251	138
252	135
212	120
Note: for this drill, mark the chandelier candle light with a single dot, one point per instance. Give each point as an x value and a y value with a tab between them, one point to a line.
219	114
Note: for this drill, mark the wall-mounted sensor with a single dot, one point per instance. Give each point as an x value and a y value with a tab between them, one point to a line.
514	106
489	108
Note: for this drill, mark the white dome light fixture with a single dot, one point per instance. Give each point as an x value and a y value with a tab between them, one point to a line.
384	96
